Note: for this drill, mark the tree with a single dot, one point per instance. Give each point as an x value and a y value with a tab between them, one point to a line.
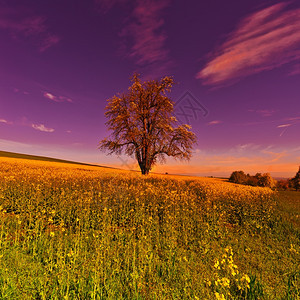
143	125
296	181
283	184
238	177
266	180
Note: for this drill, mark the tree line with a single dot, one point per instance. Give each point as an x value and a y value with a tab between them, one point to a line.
266	180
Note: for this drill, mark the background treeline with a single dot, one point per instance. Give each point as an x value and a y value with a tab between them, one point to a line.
266	180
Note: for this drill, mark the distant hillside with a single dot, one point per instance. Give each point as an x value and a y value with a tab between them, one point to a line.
43	158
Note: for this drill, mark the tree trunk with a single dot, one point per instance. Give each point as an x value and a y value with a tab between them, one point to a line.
144	168
144	165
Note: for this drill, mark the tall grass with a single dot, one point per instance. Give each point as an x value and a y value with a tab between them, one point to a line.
79	232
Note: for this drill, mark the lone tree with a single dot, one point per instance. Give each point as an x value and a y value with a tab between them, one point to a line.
143	125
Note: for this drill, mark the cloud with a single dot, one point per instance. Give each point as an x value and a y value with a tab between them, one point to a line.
5	121
144	37
263	112
293	119
54	98
262	41
48	42
22	23
291	122
216	122
284	125
42	127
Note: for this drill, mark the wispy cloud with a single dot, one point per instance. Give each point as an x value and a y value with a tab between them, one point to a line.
262	41
21	23
5	121
55	98
296	119
263	112
48	42
215	122
144	37
42	127
289	122
284	125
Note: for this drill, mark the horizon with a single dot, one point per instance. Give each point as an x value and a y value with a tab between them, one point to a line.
236	65
131	167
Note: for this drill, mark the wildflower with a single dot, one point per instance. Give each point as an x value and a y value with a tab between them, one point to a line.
219	296
225	282
246	278
217	266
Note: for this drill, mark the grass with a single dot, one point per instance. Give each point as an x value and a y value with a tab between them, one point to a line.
81	232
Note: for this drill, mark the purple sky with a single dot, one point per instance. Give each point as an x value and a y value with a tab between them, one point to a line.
237	63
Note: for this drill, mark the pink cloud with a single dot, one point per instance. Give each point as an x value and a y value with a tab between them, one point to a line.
5	122
54	98
49	96
48	42
42	127
21	23
215	122
145	33
292	121
284	125
263	112
264	40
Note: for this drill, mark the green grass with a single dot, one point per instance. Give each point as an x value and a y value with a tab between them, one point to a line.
289	205
82	232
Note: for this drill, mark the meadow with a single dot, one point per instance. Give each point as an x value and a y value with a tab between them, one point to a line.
72	231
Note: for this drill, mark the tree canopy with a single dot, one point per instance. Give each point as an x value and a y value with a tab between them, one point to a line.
143	125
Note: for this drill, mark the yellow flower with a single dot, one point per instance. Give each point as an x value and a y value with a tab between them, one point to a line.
219	296
217	265
246	277
225	282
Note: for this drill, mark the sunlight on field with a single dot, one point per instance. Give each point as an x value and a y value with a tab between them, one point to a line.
88	232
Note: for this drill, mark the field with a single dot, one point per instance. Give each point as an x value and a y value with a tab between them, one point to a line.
72	231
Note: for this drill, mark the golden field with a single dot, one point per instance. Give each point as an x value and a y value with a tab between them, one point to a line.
81	232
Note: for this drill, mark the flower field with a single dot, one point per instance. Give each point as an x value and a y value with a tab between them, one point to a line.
70	231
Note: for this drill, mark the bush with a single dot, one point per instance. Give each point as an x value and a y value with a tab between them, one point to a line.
263	180
238	177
